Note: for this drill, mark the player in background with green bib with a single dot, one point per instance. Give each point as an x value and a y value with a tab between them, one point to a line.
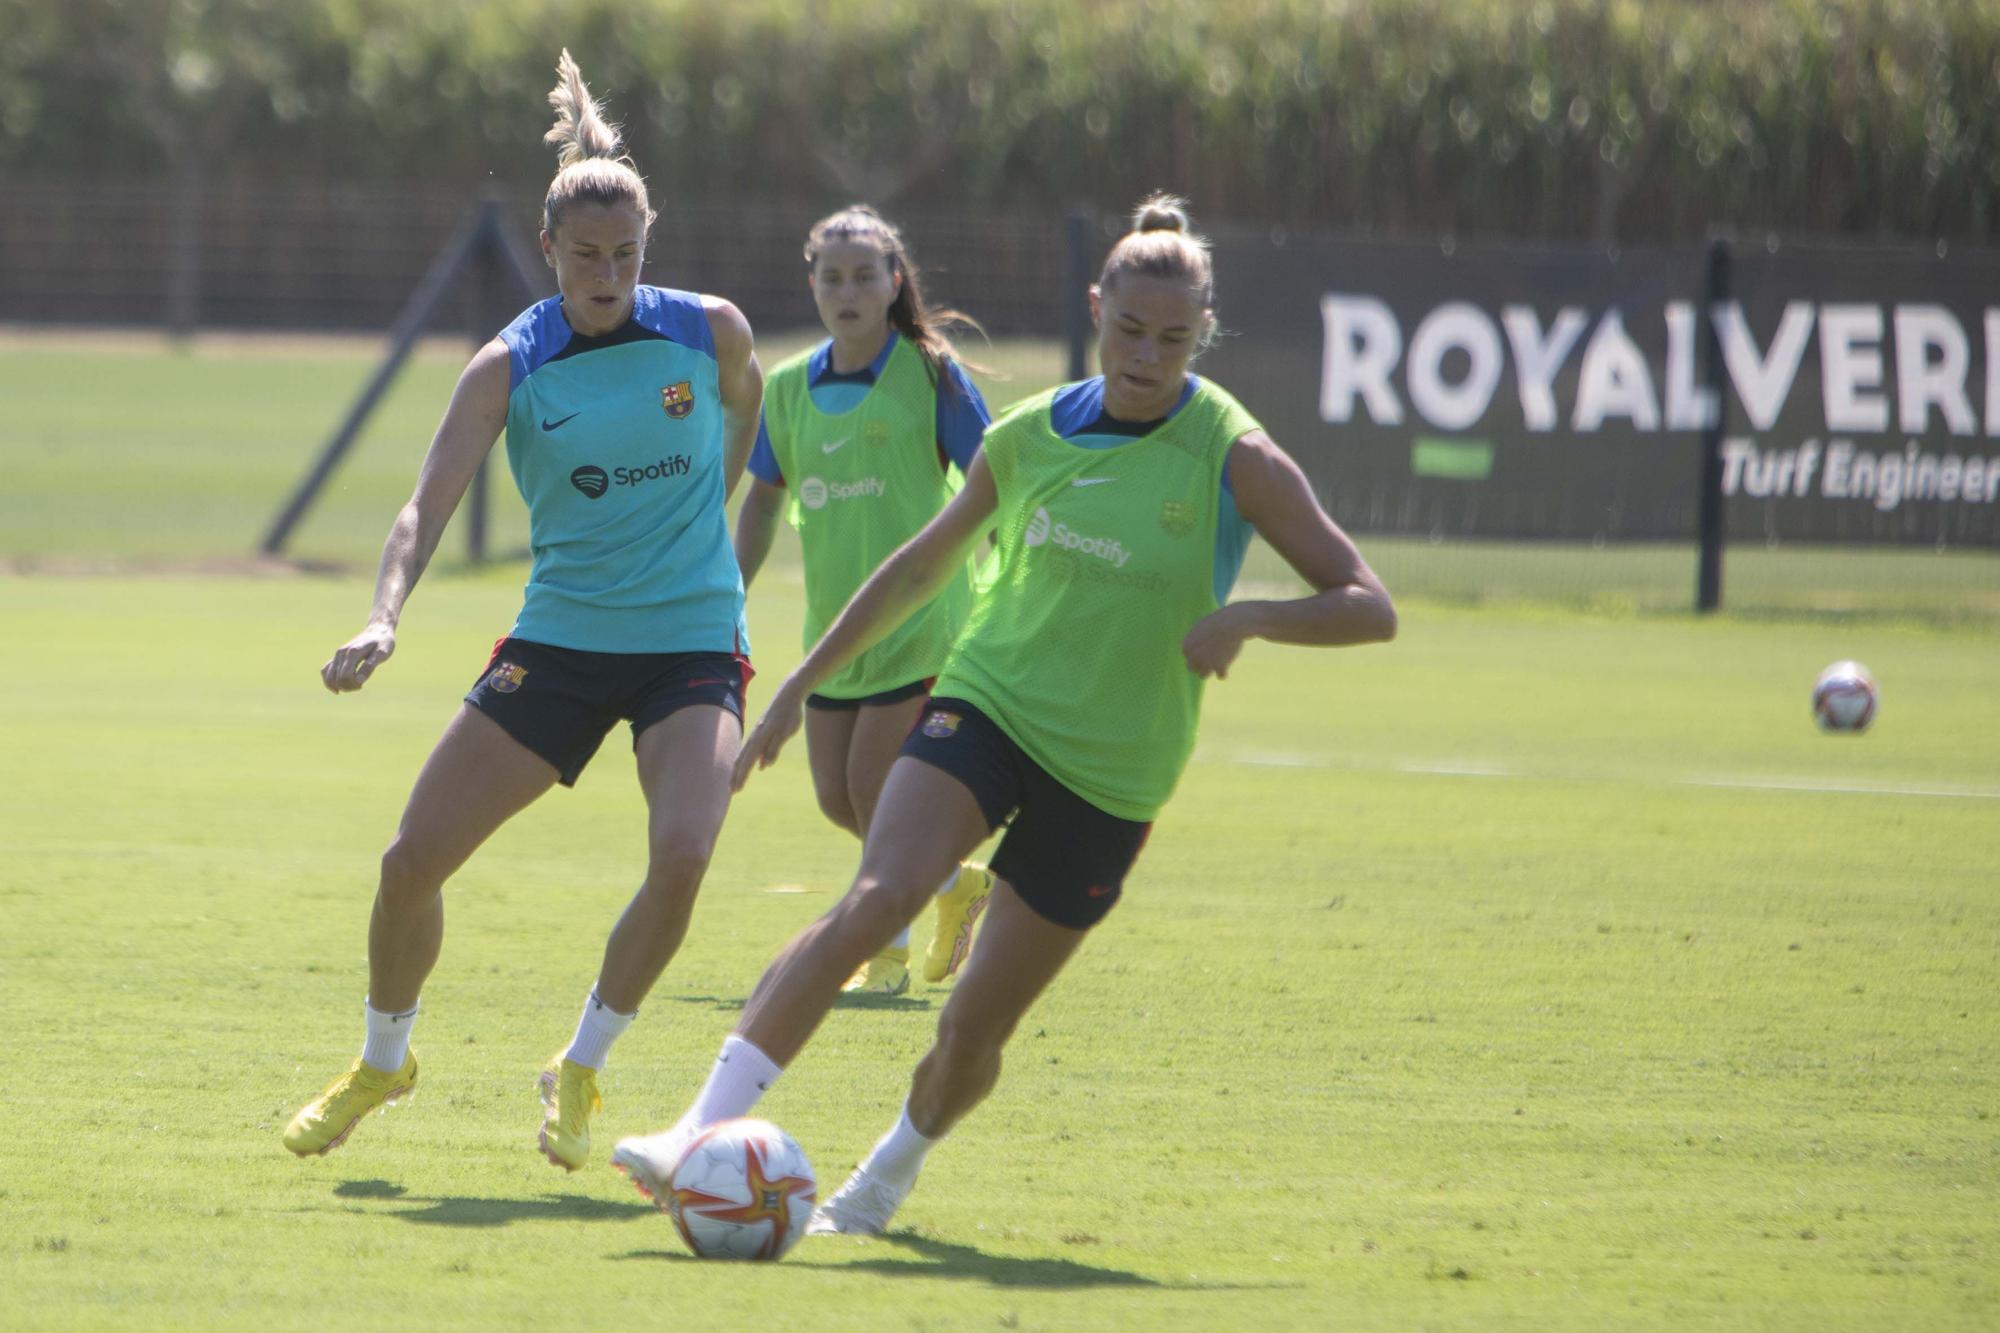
629	411
859	438
1122	507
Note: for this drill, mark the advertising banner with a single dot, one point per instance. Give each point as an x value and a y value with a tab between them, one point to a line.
1563	392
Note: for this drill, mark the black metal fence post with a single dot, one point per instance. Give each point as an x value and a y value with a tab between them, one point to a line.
1076	303
1708	575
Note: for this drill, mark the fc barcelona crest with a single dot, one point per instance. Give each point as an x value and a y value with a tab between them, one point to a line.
678	399
876	432
1177	518
941	724
506	678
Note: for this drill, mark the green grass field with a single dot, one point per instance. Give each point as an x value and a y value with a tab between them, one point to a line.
1544	968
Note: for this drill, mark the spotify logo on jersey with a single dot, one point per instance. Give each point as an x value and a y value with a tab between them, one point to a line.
815	493
594	481
1042	530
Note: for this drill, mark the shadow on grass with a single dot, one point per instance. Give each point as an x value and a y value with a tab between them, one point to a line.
467	1211
730	1005
899	1003
939	1258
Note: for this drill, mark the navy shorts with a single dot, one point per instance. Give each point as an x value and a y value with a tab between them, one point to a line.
915	689
560	702
1064	856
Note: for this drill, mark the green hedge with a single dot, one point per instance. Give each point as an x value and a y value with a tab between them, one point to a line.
1559	118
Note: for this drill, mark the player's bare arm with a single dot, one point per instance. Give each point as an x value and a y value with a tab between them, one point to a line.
907	580
757	525
740	380
1348	604
472	421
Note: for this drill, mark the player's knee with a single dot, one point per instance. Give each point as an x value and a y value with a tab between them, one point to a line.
837	808
676	868
410	876
875	909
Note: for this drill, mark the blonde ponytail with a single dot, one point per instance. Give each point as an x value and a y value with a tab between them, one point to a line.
590	168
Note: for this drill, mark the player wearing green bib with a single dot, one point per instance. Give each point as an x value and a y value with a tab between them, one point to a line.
1121	506
859	440
628	411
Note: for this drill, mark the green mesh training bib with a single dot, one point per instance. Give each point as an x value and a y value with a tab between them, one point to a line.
1106	558
863	482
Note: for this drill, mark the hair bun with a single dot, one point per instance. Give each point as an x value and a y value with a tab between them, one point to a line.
1161	212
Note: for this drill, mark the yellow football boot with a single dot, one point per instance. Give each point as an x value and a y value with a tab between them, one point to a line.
324	1123
958	910
887	973
569	1098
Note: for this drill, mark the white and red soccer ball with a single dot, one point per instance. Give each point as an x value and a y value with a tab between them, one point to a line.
1843	698
742	1190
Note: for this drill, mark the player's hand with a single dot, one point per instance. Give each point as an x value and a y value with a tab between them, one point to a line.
780	721
355	661
1211	646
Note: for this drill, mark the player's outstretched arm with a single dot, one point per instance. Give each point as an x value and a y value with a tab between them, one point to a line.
1349	605
740	380
472	421
907	580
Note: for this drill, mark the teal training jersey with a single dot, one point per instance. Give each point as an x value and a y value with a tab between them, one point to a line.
616	444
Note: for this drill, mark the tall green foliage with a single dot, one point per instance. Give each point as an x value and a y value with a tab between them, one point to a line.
1557	118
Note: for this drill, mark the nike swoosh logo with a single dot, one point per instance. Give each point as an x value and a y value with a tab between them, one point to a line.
1092	481
548	425
835	444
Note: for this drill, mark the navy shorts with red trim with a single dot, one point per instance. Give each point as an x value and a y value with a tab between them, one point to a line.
1064	856
915	689
560	702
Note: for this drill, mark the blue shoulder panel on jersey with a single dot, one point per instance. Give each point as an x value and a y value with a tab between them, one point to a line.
536	335
674	314
764	458
962	417
1076	405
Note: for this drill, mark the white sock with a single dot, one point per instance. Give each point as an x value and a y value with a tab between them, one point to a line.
741	1075
388	1040
899	1154
595	1031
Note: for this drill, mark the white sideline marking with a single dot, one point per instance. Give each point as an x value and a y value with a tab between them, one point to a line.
1467	768
1458	769
1848	788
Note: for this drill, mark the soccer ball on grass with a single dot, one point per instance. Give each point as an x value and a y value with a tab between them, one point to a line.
742	1190
1843	698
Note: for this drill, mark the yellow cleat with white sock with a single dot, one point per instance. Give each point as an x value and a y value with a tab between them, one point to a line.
887	973
569	1099
958	909
324	1123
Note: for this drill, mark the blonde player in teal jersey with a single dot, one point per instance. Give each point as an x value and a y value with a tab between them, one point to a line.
1122	508
861	433
629	411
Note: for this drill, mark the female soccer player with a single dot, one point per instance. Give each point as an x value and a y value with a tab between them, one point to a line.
868	424
1123	507
629	411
